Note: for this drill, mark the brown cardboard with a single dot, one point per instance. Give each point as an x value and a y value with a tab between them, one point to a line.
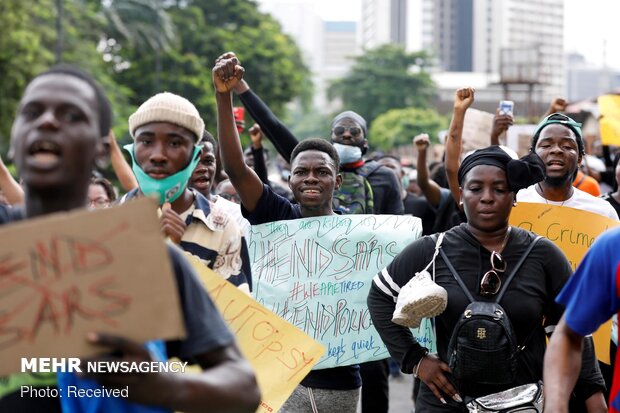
68	274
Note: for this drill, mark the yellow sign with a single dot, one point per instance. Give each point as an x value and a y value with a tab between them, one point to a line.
609	122
280	354
573	231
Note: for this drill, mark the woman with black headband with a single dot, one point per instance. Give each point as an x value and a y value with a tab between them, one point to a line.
484	250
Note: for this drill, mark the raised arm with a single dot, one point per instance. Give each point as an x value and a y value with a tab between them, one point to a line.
226	74
258	152
501	123
429	187
463	98
282	138
556	105
121	167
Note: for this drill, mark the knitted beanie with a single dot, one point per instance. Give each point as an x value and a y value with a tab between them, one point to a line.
168	107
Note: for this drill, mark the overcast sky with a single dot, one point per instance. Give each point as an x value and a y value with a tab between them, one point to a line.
587	24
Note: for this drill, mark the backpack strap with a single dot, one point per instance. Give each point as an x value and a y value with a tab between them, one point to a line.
456	275
368	168
516	268
504	284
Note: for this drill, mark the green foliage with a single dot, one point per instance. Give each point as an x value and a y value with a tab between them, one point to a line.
310	124
385	78
398	127
22	55
204	30
136	48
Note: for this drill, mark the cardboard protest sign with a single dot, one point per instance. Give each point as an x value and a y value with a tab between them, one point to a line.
573	231
280	354
519	138
316	273
65	275
609	122
477	128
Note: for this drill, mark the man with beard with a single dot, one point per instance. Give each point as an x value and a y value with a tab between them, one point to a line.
559	143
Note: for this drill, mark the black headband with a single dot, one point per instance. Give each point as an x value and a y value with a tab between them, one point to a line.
520	173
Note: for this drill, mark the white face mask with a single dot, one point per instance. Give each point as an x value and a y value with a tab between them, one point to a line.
348	153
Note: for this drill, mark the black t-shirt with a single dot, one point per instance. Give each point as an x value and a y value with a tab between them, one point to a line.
272	207
205	328
609	198
418	206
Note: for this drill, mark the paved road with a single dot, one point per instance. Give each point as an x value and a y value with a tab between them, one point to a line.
400	394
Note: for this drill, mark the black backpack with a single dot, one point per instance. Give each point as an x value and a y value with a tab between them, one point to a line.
483	348
355	195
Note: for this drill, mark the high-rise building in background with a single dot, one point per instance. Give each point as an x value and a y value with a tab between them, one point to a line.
516	42
504	48
587	81
327	46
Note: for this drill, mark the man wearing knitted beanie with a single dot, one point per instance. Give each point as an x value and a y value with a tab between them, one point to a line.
166	129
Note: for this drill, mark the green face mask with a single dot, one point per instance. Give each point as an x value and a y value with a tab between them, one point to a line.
405	181
169	188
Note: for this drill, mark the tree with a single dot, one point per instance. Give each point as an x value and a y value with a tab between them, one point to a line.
22	55
398	127
204	30
385	78
122	42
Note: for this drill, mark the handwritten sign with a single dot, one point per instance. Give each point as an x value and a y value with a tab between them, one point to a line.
316	273
609	121
519	138
65	275
573	231
280	354
477	127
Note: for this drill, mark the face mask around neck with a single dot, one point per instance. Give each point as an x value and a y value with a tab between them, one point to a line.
171	187
348	153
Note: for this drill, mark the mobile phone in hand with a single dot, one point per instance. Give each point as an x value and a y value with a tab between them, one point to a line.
506	107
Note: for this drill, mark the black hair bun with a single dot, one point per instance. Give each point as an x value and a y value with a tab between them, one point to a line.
525	172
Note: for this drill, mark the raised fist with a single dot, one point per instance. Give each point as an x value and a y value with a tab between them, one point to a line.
256	134
463	98
226	73
558	105
422	141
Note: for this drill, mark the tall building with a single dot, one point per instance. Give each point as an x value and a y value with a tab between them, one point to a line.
383	21
328	47
520	40
587	81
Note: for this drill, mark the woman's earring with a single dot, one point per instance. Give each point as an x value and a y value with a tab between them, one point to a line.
514	203
460	203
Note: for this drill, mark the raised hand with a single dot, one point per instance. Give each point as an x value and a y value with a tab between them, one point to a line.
256	134
227	73
422	142
557	105
463	98
501	123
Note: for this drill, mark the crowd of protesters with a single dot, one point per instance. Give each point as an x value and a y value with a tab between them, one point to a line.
210	190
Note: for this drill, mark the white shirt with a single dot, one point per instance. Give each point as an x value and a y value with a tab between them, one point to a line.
234	210
579	200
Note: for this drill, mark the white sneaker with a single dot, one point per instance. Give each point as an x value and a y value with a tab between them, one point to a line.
420	298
